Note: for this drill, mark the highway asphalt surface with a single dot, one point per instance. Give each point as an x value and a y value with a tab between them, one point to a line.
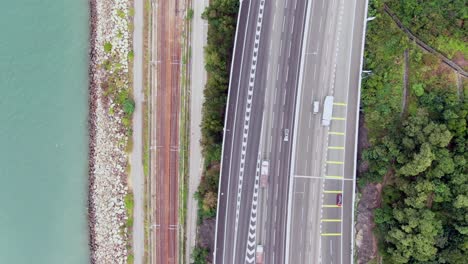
236	186
266	61
285	39
265	86
324	157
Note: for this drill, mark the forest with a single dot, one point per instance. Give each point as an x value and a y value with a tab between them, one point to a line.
416	116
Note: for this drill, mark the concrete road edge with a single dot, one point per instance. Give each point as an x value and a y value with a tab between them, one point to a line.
357	129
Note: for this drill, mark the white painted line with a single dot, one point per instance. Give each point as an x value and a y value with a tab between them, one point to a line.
321	178
320	24
274	21
284	20
315	70
284	97
292	25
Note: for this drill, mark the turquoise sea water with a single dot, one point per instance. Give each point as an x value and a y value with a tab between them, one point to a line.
43	131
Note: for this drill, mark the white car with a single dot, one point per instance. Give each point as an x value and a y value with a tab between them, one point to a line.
286	135
316	107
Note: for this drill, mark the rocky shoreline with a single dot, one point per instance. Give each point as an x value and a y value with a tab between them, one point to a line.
107	134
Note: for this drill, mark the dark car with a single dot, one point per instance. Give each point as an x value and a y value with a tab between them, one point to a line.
339	199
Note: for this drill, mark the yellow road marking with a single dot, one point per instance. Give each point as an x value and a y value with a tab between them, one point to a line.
336	133
335	162
330	206
331	234
331	220
335	147
333	177
331	191
340	104
338	118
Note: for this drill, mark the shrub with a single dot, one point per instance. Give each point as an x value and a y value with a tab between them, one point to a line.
107	47
128	106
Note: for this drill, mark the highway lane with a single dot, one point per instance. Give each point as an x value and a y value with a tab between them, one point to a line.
283	67
237	160
321	231
275	74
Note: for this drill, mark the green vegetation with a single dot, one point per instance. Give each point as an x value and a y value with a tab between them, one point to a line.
114	87
128	201
439	23
130	258
130	55
207	193
189	14
129	206
222	17
121	13
184	136
107	47
420	155
199	255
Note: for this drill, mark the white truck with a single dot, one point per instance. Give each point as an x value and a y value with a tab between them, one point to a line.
264	173
327	111
259	255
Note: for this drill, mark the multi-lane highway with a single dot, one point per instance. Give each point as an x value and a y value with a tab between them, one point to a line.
261	105
284	52
320	230
241	136
287	54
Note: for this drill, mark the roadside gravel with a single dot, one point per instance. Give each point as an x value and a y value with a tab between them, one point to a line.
108	140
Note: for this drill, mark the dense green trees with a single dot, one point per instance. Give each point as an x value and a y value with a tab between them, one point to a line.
440	23
422	153
222	17
424	213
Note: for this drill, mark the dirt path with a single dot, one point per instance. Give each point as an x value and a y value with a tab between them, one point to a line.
165	131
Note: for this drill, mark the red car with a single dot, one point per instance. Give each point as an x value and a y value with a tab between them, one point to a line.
339	199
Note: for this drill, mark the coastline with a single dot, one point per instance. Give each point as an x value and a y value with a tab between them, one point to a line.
108	132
